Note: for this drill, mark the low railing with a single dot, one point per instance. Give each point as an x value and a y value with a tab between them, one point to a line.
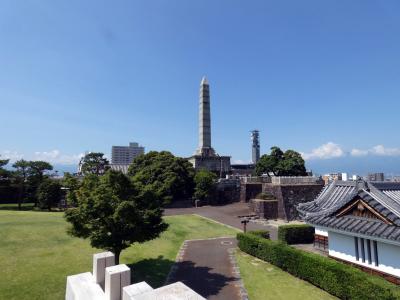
280	179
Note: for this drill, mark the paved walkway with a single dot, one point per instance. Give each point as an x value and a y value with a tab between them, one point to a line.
226	214
206	266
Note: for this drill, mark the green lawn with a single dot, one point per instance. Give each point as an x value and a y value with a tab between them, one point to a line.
265	281
36	254
14	206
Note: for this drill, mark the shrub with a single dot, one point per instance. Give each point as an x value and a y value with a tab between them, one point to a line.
338	279
296	234
261	233
265	196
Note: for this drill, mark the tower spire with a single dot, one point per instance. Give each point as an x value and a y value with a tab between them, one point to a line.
205	148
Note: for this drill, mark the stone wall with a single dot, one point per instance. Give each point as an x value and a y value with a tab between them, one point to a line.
266	209
288	195
249	191
228	194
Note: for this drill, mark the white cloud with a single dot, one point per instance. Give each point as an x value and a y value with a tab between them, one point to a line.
358	152
241	162
56	157
11	155
378	150
325	151
53	157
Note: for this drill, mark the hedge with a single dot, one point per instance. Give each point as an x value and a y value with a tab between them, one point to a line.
265	196
261	233
296	234
336	278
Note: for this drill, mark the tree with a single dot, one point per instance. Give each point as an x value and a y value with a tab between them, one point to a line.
71	183
4	174
278	163
113	214
269	163
292	164
36	175
205	185
38	168
49	193
170	177
21	175
94	163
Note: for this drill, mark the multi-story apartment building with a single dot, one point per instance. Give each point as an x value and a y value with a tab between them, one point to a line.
376	177
124	155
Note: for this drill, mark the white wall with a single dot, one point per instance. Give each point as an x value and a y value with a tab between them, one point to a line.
342	246
320	231
389	258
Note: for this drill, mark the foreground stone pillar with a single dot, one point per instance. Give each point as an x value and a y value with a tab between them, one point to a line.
100	262
117	277
129	292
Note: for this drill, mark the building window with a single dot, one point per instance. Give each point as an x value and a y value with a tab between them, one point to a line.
362	250
376	253
369	251
356	247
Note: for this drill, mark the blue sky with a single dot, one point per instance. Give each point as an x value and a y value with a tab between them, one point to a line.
320	77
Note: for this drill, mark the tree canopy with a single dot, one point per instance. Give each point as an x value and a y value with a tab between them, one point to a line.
94	163
29	175
49	193
279	163
205	185
169	176
22	168
38	168
4	174
71	183
113	213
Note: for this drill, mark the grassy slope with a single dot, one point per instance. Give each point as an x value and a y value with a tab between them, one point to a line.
265	281
36	254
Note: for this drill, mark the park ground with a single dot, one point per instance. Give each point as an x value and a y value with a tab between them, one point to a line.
37	255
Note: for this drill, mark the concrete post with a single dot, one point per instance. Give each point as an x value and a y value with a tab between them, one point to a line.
117	277
100	262
129	292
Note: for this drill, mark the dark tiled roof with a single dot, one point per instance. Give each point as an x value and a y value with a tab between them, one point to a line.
384	197
364	226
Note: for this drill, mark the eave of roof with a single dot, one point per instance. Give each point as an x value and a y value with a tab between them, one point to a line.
358	225
338	194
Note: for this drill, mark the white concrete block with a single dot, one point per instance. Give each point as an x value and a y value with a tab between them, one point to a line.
100	262
117	277
83	287
175	291
135	289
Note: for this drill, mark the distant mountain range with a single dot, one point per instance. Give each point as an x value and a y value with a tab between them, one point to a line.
351	165
389	165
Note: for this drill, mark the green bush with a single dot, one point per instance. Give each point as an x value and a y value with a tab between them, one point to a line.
296	234
265	196
338	279
261	233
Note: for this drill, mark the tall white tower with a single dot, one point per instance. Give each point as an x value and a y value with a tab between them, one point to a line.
205	148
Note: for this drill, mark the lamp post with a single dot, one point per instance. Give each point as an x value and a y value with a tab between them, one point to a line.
244	222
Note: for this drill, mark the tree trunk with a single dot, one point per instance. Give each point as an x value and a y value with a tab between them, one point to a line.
117	253
20	198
